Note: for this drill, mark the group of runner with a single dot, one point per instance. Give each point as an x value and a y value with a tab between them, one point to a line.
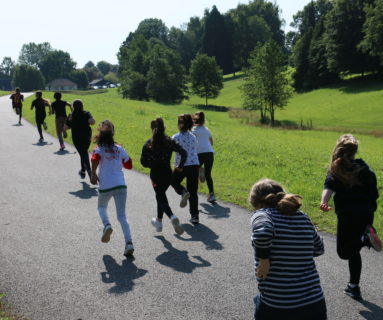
284	239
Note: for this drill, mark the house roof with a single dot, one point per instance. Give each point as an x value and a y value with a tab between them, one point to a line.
96	82
61	83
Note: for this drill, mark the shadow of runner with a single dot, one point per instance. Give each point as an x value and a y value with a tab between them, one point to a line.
122	276
86	193
215	210
203	234
41	144
179	260
63	152
375	313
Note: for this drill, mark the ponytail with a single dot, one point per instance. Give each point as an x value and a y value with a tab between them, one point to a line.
159	138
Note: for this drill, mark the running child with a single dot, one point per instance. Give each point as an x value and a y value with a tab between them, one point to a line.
156	155
17	102
285	243
59	108
205	152
190	171
110	157
353	184
40	113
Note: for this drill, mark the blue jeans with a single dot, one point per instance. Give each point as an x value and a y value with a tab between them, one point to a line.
314	311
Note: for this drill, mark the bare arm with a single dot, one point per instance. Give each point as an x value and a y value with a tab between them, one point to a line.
94	178
70	106
91	121
326	196
211	140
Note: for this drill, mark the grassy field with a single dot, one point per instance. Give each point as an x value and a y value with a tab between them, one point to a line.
4	93
244	154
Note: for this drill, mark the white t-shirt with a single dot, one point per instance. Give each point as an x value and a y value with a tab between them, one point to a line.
203	136
188	141
110	168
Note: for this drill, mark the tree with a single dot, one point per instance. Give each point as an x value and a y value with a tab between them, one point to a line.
112	77
32	54
206	77
89	64
153	28
180	42
104	67
79	77
92	73
28	78
6	67
57	64
267	84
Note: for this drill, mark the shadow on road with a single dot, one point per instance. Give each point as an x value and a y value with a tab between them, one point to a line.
42	144
63	152
122	276
215	210
87	191
17	125
375	312
202	234
179	260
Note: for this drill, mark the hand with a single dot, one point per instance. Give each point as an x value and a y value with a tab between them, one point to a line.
263	269
325	207
94	178
178	169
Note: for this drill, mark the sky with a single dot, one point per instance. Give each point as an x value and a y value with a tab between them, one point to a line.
94	29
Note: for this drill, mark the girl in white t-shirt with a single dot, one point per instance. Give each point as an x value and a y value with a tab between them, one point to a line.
205	153
110	158
187	141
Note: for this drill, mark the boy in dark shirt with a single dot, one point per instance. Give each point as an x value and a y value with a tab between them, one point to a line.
59	108
17	99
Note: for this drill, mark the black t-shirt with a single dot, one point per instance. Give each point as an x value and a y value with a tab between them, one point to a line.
79	123
40	105
357	199
59	108
17	100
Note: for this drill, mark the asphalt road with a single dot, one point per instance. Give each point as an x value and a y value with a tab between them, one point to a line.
54	266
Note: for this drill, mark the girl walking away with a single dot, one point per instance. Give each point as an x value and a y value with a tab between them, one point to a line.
17	102
205	153
156	155
190	169
355	193
80	121
110	157
40	113
59	108
285	243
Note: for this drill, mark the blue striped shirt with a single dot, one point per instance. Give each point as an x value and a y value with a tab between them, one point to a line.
291	243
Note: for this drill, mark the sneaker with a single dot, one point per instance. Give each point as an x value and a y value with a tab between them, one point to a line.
45	126
353	292
211	198
82	174
176	225
184	199
62	147
157	224
129	249
65	135
19	123
202	177
194	219
41	140
106	233
373	238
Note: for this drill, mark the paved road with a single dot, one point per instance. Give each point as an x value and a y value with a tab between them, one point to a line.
53	265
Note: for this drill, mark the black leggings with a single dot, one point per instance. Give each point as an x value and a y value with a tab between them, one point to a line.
191	175
82	147
161	181
350	230
39	121
206	159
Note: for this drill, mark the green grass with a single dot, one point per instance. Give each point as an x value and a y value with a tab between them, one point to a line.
4	93
244	154
4	312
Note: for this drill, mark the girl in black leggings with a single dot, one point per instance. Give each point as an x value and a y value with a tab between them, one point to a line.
40	104
354	186
156	155
79	121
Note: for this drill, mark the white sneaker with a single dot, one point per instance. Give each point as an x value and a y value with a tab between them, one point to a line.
129	249
176	225
202	177
106	233
211	198
157	224
184	199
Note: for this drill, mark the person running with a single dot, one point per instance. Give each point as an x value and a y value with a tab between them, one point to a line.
40	113
156	155
205	153
285	243
80	121
110	157
187	141
17	102
353	184
59	108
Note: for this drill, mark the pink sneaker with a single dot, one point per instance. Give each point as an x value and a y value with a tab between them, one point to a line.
376	243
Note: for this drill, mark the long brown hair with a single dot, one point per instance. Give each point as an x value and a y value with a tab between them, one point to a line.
105	136
267	193
342	165
199	118
185	122
159	139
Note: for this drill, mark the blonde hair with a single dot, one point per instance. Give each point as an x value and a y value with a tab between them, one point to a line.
267	193
342	165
